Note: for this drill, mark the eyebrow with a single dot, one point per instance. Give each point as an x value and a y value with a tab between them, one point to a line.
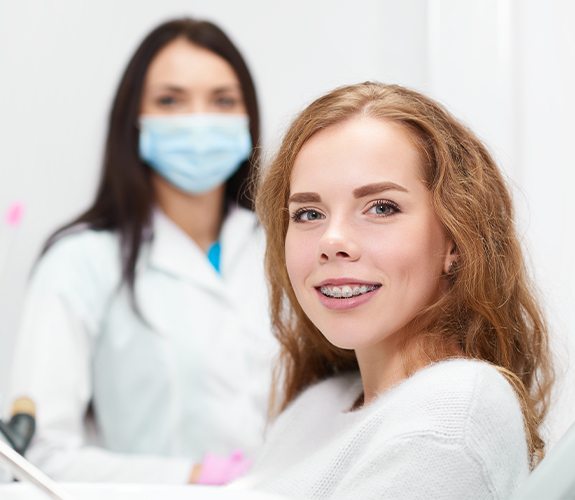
377	187
172	88
304	198
232	87
218	90
359	192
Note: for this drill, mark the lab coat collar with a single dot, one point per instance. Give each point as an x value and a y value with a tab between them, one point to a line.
239	227
174	252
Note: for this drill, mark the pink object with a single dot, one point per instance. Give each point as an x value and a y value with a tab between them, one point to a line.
14	214
219	470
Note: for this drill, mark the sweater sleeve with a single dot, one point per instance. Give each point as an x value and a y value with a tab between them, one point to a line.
52	365
417	467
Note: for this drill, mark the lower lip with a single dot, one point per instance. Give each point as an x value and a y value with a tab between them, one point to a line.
344	304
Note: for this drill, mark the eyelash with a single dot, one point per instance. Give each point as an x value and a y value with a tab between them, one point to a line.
384	203
167	101
295	217
387	204
226	102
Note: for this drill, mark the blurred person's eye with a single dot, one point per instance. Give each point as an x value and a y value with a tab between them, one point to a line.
227	102
167	101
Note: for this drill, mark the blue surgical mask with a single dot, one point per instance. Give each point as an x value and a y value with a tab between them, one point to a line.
195	152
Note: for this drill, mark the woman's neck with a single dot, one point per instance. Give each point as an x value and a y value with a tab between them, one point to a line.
199	216
394	359
380	369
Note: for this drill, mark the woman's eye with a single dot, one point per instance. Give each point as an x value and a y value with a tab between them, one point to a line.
166	101
227	102
383	208
306	215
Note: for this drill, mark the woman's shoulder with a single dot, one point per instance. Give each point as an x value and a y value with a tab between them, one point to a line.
77	274
493	409
466	381
461	400
465	406
82	241
475	407
459	374
81	252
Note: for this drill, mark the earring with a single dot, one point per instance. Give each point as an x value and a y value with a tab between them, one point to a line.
452	268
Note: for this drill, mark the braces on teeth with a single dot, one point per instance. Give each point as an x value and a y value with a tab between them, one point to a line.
345	292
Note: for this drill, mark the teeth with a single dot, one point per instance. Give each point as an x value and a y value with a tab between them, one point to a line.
346	291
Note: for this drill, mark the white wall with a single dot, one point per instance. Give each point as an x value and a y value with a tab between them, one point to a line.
504	66
546	79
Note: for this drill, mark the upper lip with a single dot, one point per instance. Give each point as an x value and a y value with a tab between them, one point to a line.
344	281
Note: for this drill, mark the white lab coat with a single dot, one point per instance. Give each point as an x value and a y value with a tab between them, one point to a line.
194	379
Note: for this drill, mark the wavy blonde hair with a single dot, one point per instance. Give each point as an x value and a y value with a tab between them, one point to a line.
489	311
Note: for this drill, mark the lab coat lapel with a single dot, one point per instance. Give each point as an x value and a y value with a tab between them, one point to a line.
173	251
237	231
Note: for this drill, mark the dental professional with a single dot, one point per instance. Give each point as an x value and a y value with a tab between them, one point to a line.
145	341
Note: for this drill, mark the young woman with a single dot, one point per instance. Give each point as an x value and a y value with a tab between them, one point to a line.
414	356
149	311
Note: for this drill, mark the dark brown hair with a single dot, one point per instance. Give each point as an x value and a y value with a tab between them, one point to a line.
125	197
489	310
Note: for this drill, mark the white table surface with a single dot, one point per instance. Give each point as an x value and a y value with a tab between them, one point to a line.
101	491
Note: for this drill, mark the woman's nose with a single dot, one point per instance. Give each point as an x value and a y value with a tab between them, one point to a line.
338	242
197	108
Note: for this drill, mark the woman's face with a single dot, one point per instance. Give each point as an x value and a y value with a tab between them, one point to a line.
365	252
184	78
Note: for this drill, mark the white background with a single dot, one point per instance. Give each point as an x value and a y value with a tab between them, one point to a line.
505	67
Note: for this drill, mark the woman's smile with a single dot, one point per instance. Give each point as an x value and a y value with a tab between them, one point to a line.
346	291
341	298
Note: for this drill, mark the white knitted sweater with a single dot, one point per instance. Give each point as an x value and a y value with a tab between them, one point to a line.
453	430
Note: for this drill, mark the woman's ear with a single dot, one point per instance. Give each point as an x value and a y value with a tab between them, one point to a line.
451	258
